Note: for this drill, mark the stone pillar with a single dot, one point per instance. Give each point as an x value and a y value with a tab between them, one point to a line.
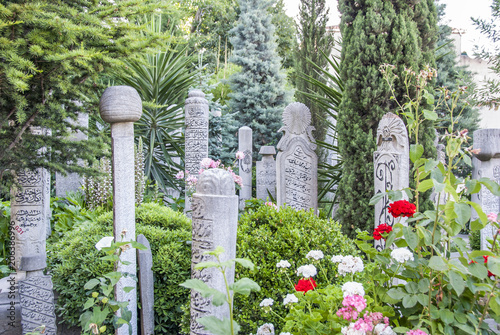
72	182
245	165
486	164
297	163
196	134
121	106
266	173
215	218
146	285
391	163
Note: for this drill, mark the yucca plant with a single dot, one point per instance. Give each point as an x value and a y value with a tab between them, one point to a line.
331	88
162	80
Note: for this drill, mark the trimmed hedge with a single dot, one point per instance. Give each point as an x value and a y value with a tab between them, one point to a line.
267	236
74	260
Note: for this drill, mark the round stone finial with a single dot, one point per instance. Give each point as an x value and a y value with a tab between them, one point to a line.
120	104
215	182
196	97
297	118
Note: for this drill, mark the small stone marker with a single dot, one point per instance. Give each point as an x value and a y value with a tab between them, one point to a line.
37	304
121	106
486	164
297	163
215	218
196	134
266	173
245	165
392	166
146	285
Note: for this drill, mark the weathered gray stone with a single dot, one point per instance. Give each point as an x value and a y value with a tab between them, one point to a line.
72	181
297	163
146	285
266	173
215	217
10	306
196	135
245	144
37	304
486	164
121	106
391	165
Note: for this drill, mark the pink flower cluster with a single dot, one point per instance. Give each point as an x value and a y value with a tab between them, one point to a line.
269	203
416	332
353	304
492	217
208	163
370	322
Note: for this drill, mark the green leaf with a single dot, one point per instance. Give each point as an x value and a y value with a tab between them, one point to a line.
219	250
89	303
491	185
205	265
423	285
127	289
218	298
493	265
480	253
477	225
411	287
429	98
138	245
244	286
437	263
425	185
478	270
416	151
91	284
410	237
463	213
244	262
473	186
457	282
430	115
376	198
396	293
218	327
447	316
479	211
409	301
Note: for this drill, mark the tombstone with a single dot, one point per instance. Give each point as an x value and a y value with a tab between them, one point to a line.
441	157
196	134
245	164
30	216
486	164
297	163
146	286
72	182
215	217
266	173
391	164
121	106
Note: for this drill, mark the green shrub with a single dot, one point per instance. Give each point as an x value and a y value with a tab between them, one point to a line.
475	240
74	260
266	236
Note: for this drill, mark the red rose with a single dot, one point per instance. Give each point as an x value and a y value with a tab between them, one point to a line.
485	262
305	285
402	208
381	228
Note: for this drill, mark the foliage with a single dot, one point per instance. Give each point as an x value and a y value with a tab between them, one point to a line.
286	34
243	286
4	230
313	41
258	91
372	34
74	260
266	236
162	79
53	56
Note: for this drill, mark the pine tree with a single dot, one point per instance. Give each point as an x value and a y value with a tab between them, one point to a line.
374	32
258	91
314	40
53	55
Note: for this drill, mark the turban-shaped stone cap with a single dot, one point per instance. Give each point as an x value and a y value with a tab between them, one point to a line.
488	141
120	104
215	182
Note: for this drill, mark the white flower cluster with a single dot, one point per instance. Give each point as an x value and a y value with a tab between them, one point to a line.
351	331
268	302
353	288
315	254
307	271
290	299
350	264
382	329
402	255
266	329
283	264
285	333
337	258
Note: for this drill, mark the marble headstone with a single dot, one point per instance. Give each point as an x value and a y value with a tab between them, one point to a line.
245	164
266	173
121	106
486	164
37	304
391	165
215	217
297	163
146	286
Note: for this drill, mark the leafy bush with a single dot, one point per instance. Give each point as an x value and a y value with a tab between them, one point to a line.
266	236
74	260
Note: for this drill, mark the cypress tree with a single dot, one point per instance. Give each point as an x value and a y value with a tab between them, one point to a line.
258	90
314	39
374	32
53	55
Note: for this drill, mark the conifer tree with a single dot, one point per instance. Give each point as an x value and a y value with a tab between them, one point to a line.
374	32
258	91
53	55
314	40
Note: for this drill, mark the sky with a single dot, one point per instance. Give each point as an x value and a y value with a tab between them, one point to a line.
458	14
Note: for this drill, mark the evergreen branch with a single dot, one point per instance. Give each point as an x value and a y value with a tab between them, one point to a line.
21	132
